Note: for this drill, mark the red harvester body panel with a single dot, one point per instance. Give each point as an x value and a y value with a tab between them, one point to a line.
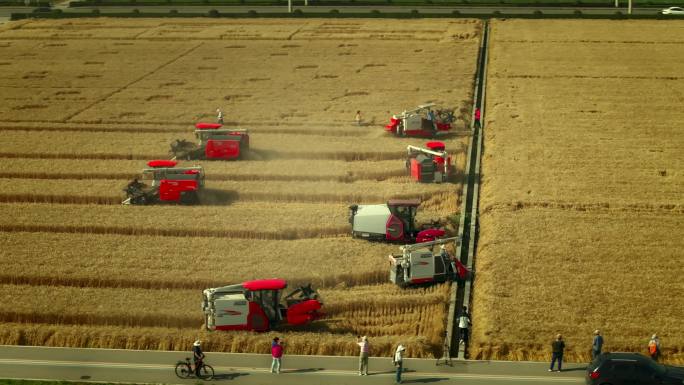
170	190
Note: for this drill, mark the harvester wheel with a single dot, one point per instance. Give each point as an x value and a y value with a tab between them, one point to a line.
189	198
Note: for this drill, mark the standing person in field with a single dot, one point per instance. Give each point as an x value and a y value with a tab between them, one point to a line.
197	357
597	345
398	361
463	325
557	348
357	118
654	347
363	355
219	116
276	354
477	118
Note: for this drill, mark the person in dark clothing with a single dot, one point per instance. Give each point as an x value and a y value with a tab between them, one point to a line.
197	357
136	184
597	345
557	348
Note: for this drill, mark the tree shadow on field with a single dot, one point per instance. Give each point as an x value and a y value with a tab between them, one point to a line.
229	376
213	197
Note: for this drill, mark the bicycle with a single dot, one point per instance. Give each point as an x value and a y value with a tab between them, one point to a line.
184	370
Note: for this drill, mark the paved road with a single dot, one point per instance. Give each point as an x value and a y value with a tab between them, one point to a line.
6	11
157	367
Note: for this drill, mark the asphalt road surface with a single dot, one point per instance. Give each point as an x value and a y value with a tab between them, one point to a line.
135	366
6	11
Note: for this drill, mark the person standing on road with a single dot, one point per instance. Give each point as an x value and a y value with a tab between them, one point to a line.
398	361
276	354
463	325
197	357
557	348
363	355
219	116
654	347
597	345
477	118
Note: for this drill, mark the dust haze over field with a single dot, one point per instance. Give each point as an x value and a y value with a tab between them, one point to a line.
582	210
85	103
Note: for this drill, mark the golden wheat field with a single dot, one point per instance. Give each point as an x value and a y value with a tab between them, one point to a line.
85	103
582	211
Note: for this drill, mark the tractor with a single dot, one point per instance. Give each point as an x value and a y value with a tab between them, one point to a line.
258	306
391	222
168	184
419	264
421	122
431	165
214	143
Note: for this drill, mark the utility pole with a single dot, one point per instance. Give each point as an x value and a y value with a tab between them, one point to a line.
289	6
616	3
629	7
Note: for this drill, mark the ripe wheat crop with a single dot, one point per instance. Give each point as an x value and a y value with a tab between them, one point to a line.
118	92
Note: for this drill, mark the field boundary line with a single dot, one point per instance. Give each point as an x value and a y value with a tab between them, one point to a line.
126	86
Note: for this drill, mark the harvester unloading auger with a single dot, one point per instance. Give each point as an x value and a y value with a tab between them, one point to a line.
391	222
168	184
422	121
214	142
258	306
420	264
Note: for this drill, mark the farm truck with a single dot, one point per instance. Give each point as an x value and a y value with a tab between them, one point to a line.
214	142
422	122
169	184
428	165
258	306
391	222
419	264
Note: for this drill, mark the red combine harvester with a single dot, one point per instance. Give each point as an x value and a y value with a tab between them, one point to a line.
421	122
168	184
431	165
391	222
257	306
418	264
214	143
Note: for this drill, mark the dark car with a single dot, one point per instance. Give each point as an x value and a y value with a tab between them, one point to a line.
631	369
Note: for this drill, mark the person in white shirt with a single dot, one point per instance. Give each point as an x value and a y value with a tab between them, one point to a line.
463	325
399	361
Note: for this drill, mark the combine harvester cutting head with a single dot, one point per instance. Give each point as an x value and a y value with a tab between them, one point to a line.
431	165
168	184
214	143
391	222
419	264
422	122
258	306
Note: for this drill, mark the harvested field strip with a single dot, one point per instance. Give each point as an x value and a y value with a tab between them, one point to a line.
128	320
331	281
239	217
285	234
358	176
263	128
151	262
253	154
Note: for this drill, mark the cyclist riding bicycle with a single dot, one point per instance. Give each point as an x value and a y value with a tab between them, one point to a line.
197	357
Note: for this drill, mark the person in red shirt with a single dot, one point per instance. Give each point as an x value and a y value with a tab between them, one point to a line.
277	354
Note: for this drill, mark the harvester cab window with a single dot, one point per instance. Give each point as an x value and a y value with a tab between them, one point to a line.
269	301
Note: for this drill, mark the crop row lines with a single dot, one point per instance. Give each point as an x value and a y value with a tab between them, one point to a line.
126	320
579	206
347	156
324	282
356	176
286	234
